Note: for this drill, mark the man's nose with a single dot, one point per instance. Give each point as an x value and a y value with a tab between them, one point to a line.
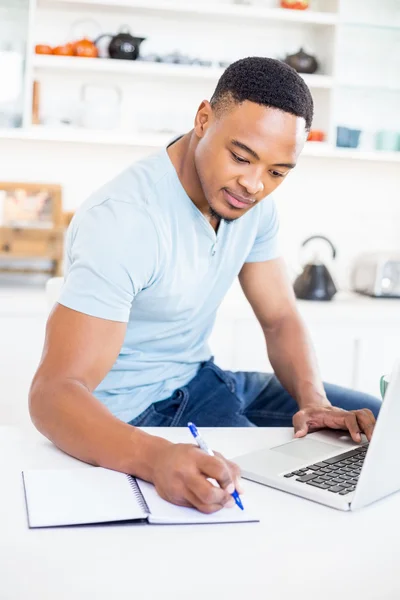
253	184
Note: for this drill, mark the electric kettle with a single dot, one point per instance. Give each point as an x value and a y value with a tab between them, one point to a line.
315	282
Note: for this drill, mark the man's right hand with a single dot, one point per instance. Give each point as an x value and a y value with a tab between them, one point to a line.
181	476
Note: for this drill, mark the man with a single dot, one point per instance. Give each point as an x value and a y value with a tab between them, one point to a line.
149	258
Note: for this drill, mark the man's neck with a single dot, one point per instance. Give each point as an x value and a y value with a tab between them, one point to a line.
181	154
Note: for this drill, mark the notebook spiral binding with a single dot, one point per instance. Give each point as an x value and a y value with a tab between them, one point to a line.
138	494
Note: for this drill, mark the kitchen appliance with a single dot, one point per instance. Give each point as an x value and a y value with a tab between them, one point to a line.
377	274
315	282
85	48
302	62
123	45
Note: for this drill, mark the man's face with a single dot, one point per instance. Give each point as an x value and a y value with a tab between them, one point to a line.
244	154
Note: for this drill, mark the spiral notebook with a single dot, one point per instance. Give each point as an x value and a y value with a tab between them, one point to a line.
60	497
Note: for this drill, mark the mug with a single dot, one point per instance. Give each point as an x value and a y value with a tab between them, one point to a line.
346	137
388	140
383	384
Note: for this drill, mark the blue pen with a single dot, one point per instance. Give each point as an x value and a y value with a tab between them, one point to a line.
202	444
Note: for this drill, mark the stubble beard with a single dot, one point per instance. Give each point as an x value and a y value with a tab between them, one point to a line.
215	215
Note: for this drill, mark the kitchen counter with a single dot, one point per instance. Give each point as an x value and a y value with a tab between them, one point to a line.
23	301
346	306
31	300
356	337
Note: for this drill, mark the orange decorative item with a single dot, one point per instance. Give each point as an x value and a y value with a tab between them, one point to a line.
295	4
85	48
64	50
316	135
43	49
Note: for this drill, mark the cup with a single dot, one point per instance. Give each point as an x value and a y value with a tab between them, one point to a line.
354	137
346	137
342	137
383	384
388	140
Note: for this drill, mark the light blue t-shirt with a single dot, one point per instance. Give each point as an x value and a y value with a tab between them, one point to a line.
139	251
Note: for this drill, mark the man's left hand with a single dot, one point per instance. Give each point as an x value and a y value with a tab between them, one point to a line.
312	418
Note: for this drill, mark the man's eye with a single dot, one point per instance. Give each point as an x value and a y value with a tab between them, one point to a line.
276	174
238	158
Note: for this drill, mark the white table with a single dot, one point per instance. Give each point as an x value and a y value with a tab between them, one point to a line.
298	550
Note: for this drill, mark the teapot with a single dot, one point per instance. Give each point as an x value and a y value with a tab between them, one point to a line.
302	62
85	48
123	45
315	282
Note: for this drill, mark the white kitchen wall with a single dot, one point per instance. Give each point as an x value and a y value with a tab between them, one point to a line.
213	38
355	203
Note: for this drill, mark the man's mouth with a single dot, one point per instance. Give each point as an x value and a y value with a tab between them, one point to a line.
237	201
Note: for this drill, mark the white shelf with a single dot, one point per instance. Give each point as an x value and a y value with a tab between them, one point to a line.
66	134
375	87
120	67
73	135
144	68
322	150
207	9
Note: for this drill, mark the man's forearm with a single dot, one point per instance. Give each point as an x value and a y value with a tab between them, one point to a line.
292	357
75	421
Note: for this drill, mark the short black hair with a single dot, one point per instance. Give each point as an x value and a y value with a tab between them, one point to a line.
266	81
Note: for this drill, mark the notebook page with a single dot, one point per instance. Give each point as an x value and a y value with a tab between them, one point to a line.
165	512
79	496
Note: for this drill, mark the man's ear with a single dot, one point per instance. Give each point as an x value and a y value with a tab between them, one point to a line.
203	118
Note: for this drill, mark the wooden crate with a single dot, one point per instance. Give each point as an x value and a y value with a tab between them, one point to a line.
45	241
32	244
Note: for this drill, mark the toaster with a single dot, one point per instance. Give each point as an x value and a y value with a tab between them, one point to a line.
377	274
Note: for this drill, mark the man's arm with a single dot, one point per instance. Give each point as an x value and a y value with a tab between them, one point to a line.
267	287
79	351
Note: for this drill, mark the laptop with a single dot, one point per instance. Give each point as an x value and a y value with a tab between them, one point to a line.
330	468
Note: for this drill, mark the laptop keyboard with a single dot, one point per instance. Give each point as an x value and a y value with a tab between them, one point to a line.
338	475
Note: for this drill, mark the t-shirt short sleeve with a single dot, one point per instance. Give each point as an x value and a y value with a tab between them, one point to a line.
265	246
112	254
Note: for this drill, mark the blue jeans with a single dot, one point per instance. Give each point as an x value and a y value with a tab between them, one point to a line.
217	398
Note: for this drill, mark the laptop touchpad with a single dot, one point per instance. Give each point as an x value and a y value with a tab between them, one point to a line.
306	448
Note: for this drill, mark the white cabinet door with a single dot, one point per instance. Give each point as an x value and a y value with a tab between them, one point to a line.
250	352
335	349
21	343
356	340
